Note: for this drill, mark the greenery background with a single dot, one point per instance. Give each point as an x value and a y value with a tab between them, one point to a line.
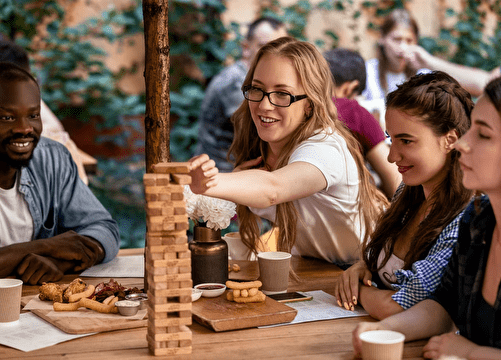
78	86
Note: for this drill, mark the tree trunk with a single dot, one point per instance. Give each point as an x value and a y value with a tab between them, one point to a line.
156	73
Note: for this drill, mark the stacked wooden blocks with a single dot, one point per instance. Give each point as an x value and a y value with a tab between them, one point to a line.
168	260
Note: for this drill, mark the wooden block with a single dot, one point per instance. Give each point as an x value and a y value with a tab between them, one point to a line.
168	219
158	189
177	196
182	225
182	247
171	168
170	292
152	179
172	263
183	255
181	179
170	307
170	321
166	243
169	278
165	204
181	335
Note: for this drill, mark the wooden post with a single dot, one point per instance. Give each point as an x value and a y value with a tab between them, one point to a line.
156	73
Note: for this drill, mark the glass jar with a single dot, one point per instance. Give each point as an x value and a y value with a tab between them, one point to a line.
209	256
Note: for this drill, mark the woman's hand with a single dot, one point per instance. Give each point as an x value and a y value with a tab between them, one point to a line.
250	164
448	344
347	285
203	173
362	327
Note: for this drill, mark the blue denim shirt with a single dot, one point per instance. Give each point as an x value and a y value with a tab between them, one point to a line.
59	201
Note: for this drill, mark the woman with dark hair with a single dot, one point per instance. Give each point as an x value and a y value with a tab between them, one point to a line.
399	31
468	295
297	165
413	240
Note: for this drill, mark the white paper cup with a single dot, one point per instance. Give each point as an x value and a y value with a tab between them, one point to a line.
237	250
382	345
274	271
10	299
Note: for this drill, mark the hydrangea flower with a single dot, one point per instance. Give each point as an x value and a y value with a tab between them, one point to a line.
207	211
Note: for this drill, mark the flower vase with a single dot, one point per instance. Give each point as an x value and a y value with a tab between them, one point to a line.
209	256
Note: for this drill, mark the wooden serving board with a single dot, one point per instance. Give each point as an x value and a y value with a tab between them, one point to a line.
72	324
220	314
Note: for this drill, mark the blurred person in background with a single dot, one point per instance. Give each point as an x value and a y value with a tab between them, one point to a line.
399	32
348	69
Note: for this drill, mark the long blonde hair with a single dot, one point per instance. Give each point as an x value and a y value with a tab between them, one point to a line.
316	78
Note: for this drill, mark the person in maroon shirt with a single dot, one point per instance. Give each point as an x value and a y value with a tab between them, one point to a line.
348	70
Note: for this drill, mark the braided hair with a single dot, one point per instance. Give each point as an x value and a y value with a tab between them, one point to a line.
442	105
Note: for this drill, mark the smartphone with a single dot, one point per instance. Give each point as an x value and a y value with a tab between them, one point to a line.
290	296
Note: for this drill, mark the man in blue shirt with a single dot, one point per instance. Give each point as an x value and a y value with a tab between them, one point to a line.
50	222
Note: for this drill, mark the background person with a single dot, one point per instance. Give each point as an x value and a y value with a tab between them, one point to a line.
50	222
223	96
399	31
296	164
472	79
348	69
411	245
468	295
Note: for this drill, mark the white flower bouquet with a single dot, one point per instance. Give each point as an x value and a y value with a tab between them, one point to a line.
207	211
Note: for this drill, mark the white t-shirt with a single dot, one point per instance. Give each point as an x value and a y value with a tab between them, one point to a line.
373	89
329	225
16	223
387	272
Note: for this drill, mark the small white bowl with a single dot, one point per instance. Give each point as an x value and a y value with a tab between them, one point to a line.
211	289
195	294
128	307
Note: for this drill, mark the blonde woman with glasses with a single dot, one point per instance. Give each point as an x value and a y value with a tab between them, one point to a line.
296	164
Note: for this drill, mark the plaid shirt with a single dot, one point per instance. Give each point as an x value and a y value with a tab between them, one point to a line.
419	283
461	285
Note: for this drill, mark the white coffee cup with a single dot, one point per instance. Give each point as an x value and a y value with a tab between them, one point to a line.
10	300
237	250
382	345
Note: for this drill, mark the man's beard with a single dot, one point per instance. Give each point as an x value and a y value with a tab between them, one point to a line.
19	163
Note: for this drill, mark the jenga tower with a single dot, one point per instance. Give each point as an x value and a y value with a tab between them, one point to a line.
168	261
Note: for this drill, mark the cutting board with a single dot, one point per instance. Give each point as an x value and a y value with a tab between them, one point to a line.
85	325
220	314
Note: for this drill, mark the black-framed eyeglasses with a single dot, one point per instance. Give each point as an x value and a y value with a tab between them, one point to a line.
277	98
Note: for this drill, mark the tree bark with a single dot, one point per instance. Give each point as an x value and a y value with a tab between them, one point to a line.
156	73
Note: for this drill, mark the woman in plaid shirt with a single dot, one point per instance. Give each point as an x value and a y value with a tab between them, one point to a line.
410	247
469	295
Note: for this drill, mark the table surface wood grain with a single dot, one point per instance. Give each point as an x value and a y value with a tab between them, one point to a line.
327	339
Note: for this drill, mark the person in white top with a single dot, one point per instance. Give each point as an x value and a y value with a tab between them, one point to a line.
296	164
399	32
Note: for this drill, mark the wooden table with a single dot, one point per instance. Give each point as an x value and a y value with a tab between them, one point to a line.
328	339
